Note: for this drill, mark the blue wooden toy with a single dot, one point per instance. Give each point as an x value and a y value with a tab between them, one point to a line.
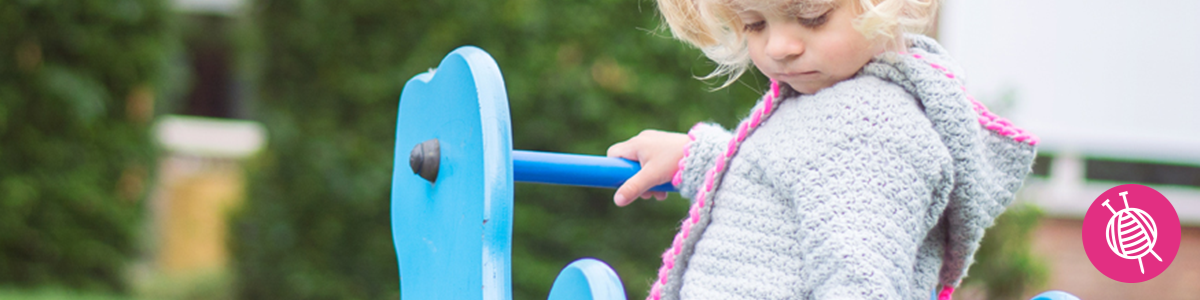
452	219
452	188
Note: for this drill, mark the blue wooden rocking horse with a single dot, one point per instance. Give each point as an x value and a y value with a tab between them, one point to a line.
452	188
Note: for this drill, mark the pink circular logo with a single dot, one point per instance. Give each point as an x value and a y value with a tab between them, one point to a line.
1131	233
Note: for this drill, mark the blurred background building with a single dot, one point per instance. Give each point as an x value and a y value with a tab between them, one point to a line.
1108	86
200	178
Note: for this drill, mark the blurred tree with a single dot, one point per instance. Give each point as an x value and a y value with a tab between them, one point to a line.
1005	265
78	81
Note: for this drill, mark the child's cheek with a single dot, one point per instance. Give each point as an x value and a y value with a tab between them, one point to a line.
849	51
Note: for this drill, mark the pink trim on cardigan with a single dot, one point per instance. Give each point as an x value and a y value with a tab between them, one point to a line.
685	229
987	118
945	294
990	121
678	178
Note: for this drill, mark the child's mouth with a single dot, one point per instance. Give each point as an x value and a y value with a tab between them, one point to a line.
798	75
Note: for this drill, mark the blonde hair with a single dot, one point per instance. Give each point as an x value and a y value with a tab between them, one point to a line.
715	28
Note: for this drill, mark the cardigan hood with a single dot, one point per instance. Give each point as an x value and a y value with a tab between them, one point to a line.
991	155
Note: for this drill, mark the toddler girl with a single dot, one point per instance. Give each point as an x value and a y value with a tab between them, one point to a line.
866	172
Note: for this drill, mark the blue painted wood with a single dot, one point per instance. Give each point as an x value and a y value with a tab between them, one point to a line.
1055	295
576	170
453	238
587	279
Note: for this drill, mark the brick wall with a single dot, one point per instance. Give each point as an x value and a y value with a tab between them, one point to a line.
1060	243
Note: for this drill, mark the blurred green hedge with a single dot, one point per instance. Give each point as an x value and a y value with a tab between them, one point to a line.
77	92
581	75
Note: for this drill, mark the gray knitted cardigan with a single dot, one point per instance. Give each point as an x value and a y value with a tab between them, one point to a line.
879	187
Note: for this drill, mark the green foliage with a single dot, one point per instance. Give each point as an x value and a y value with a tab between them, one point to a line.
77	85
581	75
1005	264
54	293
215	285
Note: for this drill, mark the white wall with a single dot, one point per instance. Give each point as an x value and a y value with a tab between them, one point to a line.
1118	79
1097	77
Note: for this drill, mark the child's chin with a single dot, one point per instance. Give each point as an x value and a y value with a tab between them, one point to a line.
807	88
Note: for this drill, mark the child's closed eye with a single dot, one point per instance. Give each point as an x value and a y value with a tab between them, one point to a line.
755	26
815	22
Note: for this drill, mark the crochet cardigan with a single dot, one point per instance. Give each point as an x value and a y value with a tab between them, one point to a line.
879	187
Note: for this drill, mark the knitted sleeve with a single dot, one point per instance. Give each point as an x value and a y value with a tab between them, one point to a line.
707	143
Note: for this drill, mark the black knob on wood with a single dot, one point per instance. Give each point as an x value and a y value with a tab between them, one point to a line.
425	159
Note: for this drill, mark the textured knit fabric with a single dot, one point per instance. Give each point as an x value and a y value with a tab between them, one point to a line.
879	187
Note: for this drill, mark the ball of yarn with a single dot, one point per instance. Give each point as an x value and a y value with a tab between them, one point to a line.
1131	233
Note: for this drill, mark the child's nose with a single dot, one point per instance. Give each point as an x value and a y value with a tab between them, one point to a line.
783	45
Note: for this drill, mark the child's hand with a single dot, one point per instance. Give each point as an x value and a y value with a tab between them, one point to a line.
659	153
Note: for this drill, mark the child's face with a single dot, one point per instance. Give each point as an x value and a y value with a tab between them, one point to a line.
810	46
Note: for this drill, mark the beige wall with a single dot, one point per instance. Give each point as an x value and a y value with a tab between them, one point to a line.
190	216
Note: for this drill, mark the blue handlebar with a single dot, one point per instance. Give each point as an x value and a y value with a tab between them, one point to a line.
576	169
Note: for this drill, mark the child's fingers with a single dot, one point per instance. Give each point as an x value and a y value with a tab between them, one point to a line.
637	185
630	190
658	153
656	195
623	150
660	195
621	200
